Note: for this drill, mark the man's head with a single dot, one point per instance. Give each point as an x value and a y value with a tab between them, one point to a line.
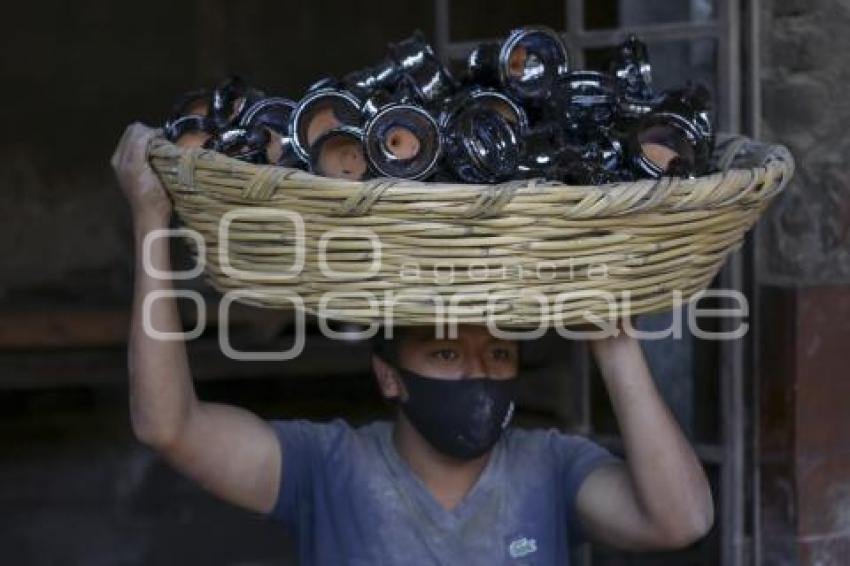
475	353
456	393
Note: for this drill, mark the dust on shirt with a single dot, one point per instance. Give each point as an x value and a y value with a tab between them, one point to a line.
348	498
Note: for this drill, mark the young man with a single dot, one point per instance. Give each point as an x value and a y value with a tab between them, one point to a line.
447	482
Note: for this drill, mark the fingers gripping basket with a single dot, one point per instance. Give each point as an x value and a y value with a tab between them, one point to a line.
521	254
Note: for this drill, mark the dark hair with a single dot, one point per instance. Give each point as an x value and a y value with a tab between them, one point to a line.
387	348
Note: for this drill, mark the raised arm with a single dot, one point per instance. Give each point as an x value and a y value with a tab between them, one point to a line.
660	499
228	450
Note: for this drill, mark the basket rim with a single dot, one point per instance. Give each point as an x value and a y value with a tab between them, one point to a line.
744	167
532	221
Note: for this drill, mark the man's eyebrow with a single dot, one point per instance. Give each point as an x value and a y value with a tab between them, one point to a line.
435	340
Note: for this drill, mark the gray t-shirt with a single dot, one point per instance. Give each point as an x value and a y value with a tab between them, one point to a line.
348	498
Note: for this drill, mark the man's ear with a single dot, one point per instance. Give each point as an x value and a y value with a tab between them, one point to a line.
388	379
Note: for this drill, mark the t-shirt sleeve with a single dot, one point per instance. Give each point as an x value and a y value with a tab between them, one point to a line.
308	450
577	458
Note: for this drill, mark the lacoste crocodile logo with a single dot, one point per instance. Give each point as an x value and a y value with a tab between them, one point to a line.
522	547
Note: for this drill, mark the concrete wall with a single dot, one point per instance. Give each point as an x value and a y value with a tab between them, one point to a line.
805	81
804	266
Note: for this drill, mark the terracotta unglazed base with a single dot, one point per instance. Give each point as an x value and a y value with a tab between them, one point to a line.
659	154
323	119
274	149
343	158
402	143
193	139
516	61
198	107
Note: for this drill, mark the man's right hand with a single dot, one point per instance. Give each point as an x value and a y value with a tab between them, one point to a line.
139	183
230	451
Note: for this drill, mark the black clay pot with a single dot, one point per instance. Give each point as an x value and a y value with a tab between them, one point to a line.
525	64
229	99
606	150
274	114
320	111
245	144
486	98
190	130
481	146
586	103
382	98
422	70
567	165
402	140
541	149
677	138
411	64
632	69
633	73
547	153
339	153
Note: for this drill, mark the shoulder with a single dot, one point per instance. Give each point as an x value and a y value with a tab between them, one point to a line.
522	439
334	438
569	458
303	430
567	452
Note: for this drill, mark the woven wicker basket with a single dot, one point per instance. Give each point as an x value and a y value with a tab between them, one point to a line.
518	254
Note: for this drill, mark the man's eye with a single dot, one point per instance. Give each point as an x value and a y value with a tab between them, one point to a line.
502	354
446	355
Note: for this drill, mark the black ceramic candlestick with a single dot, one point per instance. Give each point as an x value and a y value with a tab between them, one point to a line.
275	115
229	99
633	73
633	69
338	153
522	112
411	62
190	130
585	102
525	64
607	150
322	110
189	123
488	98
677	137
566	165
246	144
481	146
274	112
541	148
401	139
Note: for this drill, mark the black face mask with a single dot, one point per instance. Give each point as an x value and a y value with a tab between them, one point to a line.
462	418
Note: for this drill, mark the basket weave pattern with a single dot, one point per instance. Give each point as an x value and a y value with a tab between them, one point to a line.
521	253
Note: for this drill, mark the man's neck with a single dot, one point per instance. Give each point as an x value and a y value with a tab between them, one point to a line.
448	479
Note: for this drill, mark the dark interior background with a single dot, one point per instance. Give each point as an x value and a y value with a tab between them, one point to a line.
75	487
